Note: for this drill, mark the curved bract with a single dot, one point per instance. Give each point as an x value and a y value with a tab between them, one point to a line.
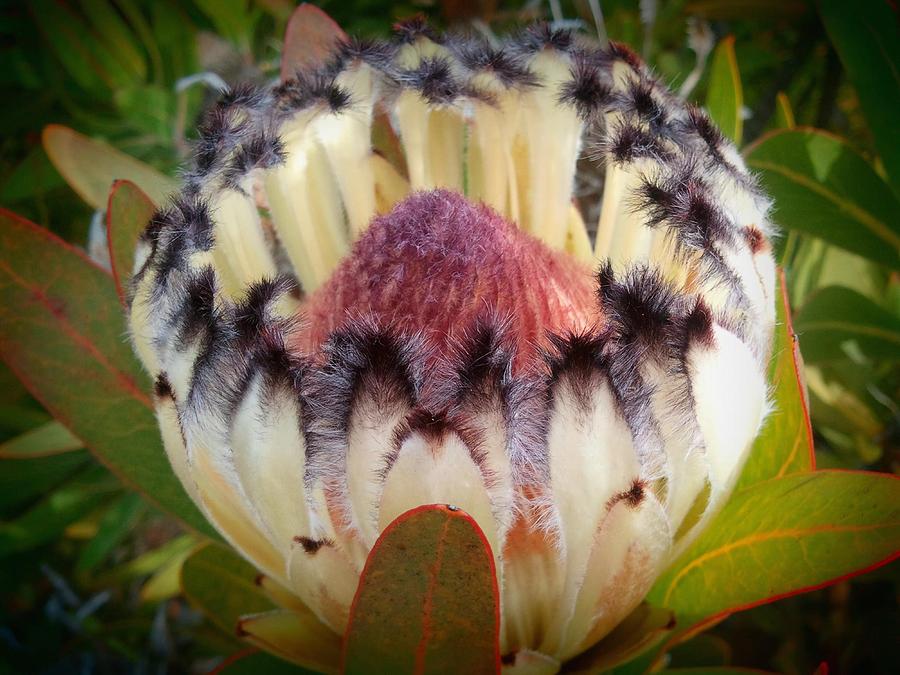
337	340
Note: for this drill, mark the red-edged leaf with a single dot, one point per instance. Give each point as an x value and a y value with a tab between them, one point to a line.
785	445
127	214
62	332
782	537
309	40
427	601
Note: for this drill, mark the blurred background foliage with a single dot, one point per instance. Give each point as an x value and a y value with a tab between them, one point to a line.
90	571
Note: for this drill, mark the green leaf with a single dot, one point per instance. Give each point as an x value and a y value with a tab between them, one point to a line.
824	188
783	537
68	38
866	37
33	176
785	445
233	19
61	332
24	480
91	167
835	315
51	438
47	519
428	587
116	36
85	53
784	113
223	586
151	561
127	214
725	96
115	525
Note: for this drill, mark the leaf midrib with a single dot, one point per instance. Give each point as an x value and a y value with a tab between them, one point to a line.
760	537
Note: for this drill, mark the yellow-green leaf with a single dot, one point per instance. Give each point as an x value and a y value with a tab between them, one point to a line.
782	537
91	167
785	445
725	95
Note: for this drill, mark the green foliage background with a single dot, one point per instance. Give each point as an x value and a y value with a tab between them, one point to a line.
89	571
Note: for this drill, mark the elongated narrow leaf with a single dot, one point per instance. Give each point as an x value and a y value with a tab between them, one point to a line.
127	214
298	637
782	537
785	444
866	36
784	113
823	187
428	587
165	582
115	525
835	316
110	29
91	167
725	95
48	439
62	333
309	40
223	586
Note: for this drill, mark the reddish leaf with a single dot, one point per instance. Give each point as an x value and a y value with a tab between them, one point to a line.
427	601
127	214
309	40
62	333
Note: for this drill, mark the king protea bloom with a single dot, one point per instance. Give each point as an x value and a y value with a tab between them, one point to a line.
338	337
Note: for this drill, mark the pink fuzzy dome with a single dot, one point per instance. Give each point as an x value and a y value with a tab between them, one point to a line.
437	266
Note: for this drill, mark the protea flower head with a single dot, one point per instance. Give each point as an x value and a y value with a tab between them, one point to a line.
339	337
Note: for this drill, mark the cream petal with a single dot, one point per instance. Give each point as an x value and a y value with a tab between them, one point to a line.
269	457
592	458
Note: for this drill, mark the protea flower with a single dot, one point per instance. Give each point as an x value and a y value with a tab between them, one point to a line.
338	339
